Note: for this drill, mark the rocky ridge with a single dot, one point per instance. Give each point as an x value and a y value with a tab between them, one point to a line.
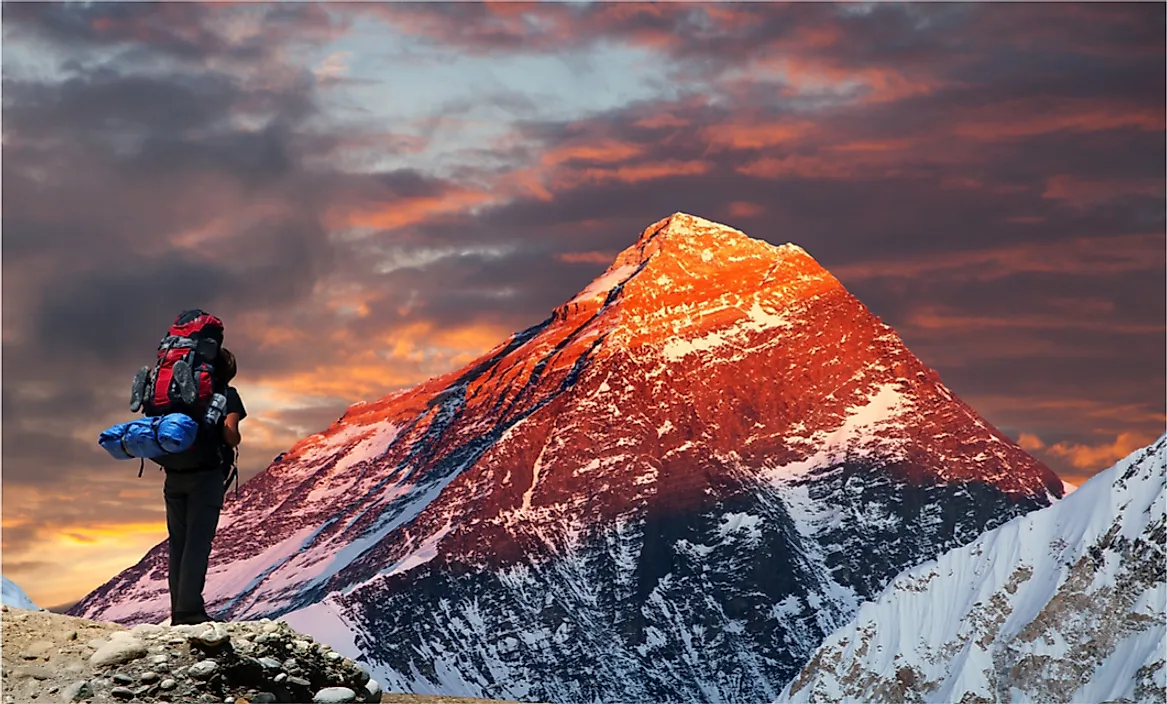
49	657
1065	604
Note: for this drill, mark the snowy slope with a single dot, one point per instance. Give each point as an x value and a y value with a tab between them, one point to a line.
15	596
671	489
1065	604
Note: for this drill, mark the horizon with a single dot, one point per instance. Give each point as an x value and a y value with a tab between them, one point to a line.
373	195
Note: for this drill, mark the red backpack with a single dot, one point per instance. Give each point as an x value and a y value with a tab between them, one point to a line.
182	379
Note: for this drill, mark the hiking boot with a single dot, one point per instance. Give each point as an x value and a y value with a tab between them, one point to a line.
138	390
184	377
192	619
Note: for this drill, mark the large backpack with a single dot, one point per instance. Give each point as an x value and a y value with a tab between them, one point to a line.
182	380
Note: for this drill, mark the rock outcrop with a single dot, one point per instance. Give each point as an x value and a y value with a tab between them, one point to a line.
50	657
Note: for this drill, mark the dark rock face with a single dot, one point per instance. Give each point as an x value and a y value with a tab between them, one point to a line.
670	489
702	606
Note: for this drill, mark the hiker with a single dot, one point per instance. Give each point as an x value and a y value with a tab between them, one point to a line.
194	498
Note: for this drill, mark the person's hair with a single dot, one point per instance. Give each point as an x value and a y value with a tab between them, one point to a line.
226	365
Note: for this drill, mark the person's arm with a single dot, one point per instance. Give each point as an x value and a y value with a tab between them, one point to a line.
231	430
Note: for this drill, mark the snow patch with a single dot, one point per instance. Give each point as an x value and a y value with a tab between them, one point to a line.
13	595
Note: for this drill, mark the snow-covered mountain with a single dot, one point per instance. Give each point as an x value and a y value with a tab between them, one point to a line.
13	595
670	489
1066	604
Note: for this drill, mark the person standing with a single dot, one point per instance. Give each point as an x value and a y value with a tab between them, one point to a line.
194	499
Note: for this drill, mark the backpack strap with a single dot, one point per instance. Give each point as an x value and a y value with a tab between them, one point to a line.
233	472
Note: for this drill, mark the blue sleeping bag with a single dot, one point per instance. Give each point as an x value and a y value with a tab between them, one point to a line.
149	437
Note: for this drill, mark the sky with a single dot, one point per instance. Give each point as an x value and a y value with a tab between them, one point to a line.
371	195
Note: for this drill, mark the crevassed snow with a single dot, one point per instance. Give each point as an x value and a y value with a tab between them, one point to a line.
15	596
1068	603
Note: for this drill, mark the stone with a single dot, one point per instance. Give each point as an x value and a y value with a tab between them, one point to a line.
122	693
269	663
211	635
122	678
158	659
37	649
70	635
279	679
202	669
36	672
333	656
143	691
118	652
78	691
372	691
264	698
301	646
168	684
299	681
335	695
148	676
146	629
270	627
54	689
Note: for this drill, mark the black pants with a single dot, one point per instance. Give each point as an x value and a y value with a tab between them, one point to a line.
193	502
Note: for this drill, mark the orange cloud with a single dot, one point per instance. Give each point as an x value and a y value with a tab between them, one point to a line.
1030	442
606	151
1028	117
795	165
402	212
1101	456
665	119
756	135
1083	255
84	556
934	319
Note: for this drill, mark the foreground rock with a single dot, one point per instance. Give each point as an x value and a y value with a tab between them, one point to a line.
54	658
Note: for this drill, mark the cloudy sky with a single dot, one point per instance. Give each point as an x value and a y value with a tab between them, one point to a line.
370	195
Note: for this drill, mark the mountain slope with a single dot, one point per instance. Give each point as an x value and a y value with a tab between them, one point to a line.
1066	604
671	488
15	596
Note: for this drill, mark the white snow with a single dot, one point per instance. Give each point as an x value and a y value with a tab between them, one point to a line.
325	622
425	552
858	434
605	283
13	595
1047	607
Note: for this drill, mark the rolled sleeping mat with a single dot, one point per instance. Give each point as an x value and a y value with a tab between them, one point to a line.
111	440
148	438
176	432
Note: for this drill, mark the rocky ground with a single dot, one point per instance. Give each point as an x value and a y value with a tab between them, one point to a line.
50	657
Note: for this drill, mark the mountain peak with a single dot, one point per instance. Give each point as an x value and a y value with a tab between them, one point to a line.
687	277
690	236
